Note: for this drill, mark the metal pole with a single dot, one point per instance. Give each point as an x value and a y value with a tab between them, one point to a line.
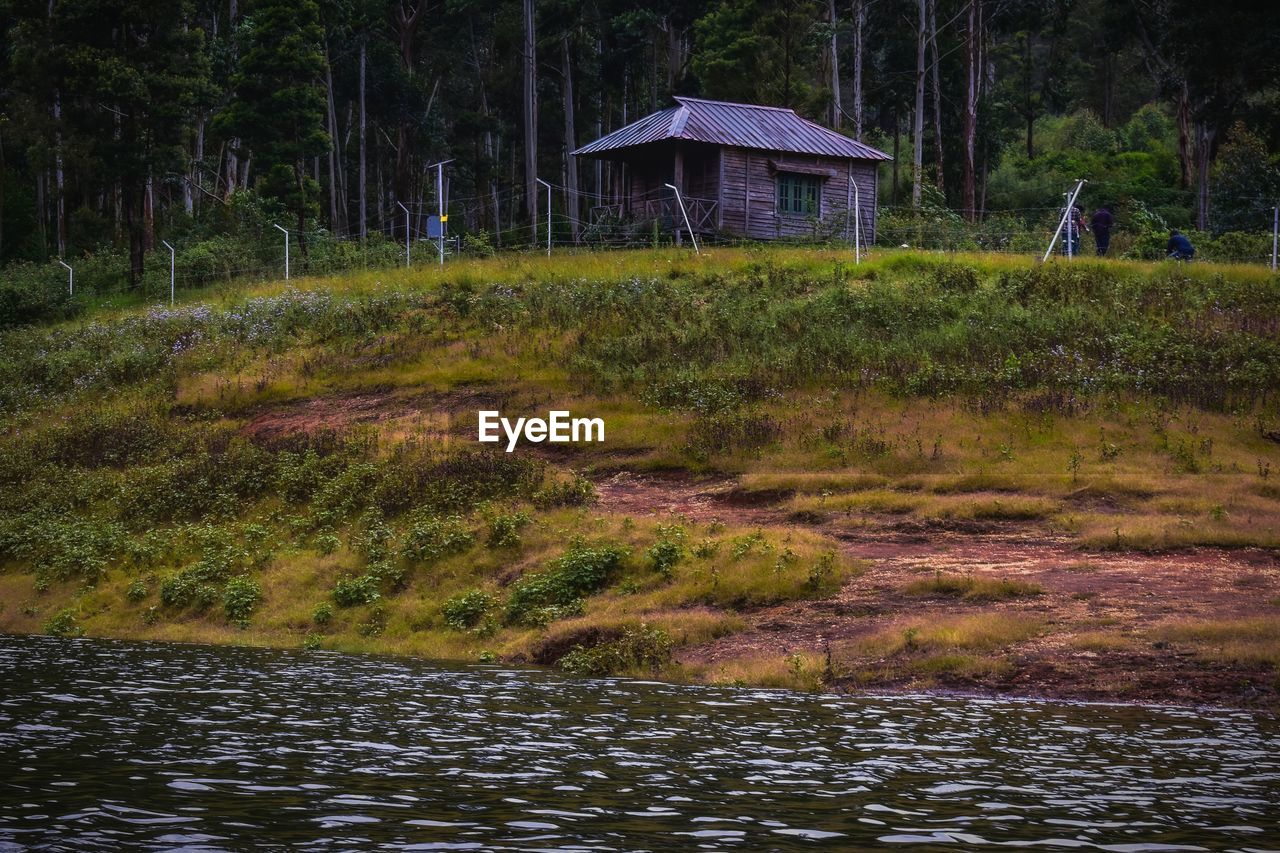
172	255
687	226
535	226
439	167
1062	222
71	279
1275	235
406	234
286	251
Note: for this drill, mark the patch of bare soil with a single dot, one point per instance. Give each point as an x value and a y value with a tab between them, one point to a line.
1118	595
439	413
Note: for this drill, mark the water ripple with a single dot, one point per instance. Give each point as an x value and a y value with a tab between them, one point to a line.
108	744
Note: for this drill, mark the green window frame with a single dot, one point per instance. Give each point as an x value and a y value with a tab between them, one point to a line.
799	195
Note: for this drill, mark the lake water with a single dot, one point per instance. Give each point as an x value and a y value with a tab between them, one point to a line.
105	744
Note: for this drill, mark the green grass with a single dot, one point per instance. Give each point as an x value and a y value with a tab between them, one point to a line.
972	588
254	452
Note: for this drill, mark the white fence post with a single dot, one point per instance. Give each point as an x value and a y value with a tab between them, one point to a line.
172	269
71	278
286	251
1071	203
685	214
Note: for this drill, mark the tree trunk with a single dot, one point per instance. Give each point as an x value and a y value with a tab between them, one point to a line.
572	202
917	128
835	65
937	97
406	19
59	180
233	144
364	202
1029	107
1186	158
331	126
859	23
530	116
974	61
1206	134
897	136
149	215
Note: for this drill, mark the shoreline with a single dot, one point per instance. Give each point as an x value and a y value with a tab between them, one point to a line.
959	695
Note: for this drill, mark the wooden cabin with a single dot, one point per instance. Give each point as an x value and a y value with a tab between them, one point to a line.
742	169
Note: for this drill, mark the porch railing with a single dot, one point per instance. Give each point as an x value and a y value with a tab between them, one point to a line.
702	212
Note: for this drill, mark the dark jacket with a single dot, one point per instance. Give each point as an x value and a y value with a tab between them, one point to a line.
1102	221
1180	244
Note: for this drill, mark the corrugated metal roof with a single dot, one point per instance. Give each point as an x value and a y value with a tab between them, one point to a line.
740	125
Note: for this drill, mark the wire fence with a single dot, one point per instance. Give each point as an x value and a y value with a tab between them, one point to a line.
383	246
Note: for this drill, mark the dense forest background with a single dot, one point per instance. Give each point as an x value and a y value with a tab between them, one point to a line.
124	123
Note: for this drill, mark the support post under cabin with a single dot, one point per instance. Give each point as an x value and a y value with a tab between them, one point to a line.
677	178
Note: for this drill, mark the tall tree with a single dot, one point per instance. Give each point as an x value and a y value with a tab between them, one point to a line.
975	60
279	110
917	115
530	55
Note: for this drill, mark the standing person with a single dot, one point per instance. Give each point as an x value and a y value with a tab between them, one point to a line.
1102	221
1179	247
1075	224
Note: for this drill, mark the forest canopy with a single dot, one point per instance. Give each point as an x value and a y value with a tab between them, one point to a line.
127	122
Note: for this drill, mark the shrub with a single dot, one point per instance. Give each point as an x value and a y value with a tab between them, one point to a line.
579	572
137	591
573	492
430	538
188	588
351	592
465	611
323	614
240	598
663	556
504	529
640	647
63	624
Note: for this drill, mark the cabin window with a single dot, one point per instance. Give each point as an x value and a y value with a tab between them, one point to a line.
799	194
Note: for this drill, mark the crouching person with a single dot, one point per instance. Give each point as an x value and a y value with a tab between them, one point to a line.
1179	247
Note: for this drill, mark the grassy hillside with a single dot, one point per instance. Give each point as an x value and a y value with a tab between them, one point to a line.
298	466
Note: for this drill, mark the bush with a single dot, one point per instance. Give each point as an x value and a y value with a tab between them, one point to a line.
639	648
430	538
351	592
240	598
63	624
563	583
504	529
323	614
663	556
465	611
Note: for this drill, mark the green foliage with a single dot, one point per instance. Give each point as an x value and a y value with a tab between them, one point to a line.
540	596
663	556
63	624
642	648
465	611
323	614
352	592
576	491
431	538
240	597
279	105
504	529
